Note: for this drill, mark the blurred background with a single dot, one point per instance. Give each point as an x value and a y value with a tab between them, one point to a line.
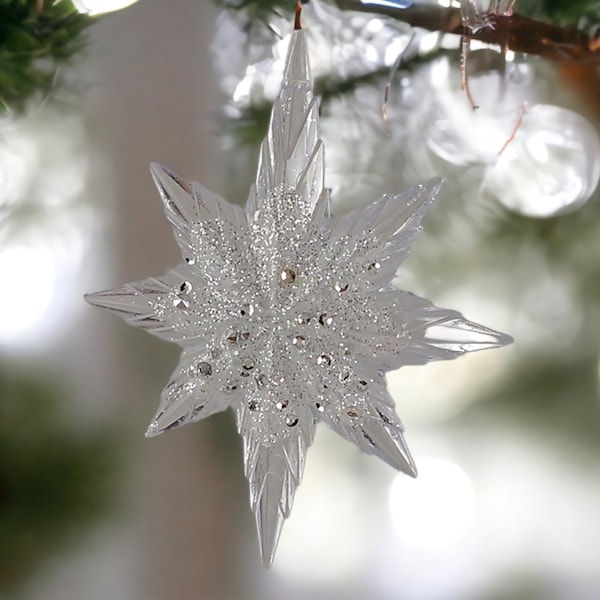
507	442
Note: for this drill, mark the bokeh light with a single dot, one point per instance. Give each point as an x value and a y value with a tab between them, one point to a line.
437	508
98	7
23	303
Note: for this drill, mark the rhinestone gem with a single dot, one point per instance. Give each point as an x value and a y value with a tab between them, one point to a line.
291	420
344	375
325	320
180	300
247	366
247	310
233	336
287	276
204	369
299	341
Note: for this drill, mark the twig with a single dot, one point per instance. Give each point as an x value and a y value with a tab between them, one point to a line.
395	67
514	131
464	51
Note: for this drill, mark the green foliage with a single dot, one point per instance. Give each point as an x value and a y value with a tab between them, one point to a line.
36	38
561	12
53	480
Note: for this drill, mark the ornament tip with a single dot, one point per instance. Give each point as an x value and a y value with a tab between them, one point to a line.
152	430
95	298
269	522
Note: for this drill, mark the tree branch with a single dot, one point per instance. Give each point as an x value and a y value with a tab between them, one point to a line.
514	32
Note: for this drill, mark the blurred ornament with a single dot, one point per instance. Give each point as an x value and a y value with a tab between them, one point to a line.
44	169
286	314
552	166
462	136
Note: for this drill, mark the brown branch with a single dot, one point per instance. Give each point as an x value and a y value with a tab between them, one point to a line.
297	15
513	32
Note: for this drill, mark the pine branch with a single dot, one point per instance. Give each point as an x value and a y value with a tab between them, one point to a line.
36	38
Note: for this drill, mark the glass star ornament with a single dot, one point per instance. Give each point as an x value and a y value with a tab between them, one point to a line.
285	313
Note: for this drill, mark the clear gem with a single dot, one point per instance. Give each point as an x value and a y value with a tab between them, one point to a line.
325	320
291	420
248	363
320	407
233	337
299	341
181	300
324	359
341	287
282	404
204	369
247	310
287	275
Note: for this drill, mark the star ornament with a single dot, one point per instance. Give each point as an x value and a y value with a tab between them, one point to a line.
285	313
